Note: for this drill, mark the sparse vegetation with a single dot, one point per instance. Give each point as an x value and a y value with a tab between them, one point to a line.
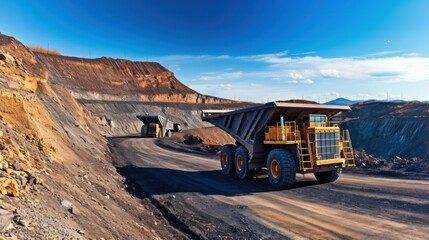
44	50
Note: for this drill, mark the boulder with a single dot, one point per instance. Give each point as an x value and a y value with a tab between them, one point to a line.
6	218
3	164
16	166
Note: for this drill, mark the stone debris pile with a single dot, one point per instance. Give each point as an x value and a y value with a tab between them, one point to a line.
16	173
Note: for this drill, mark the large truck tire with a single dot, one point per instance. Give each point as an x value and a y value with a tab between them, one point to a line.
327	177
281	168
168	133
144	131
242	159
227	156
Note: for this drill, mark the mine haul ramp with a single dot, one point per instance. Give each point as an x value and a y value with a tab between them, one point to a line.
157	126
285	138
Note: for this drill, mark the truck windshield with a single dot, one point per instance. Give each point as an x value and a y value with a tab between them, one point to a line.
317	118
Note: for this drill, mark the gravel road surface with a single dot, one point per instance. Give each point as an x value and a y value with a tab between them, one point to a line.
192	200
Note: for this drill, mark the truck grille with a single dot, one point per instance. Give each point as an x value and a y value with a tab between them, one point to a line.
327	145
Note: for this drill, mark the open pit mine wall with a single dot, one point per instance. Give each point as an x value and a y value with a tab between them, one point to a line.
387	130
118	118
69	101
119	80
114	91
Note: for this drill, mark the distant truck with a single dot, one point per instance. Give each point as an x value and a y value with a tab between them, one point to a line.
285	138
157	126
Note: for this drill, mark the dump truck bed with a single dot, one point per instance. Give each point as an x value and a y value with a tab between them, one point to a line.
246	125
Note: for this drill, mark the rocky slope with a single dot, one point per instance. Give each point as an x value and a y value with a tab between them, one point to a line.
55	112
387	130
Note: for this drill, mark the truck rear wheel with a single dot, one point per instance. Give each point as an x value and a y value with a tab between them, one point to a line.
144	131
281	168
227	156
242	163
326	177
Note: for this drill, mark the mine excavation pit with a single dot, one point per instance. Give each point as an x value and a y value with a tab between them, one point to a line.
105	148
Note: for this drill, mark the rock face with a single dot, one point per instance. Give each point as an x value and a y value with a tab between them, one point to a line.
119	117
119	79
387	130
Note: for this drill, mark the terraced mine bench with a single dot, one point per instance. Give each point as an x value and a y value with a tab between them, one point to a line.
285	138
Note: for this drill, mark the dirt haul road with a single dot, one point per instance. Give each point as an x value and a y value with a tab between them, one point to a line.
192	199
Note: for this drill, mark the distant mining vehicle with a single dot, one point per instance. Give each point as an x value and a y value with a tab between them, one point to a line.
157	126
285	138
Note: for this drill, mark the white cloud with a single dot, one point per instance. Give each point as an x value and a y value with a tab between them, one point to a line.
385	53
329	73
306	81
304	53
411	54
295	75
407	69
209	76
262	57
394	71
412	68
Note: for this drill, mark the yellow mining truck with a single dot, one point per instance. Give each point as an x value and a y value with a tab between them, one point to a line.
285	138
156	126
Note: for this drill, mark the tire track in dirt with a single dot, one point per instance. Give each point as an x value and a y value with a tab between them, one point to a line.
356	206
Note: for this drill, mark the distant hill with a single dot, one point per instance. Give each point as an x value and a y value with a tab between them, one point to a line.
344	101
341	101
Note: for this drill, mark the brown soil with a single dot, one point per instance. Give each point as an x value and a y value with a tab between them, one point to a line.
207	140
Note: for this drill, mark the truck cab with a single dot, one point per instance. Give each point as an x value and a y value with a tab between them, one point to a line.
153	130
318	143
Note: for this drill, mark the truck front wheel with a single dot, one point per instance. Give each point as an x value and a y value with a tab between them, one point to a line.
227	156
326	177
242	163
281	168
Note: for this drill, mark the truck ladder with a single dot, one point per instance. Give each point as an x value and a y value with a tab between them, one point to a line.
348	149
304	152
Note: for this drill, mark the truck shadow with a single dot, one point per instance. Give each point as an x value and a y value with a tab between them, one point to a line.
146	182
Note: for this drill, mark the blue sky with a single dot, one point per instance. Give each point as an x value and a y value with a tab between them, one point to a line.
247	50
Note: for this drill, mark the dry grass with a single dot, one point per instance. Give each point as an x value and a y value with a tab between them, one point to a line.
44	50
